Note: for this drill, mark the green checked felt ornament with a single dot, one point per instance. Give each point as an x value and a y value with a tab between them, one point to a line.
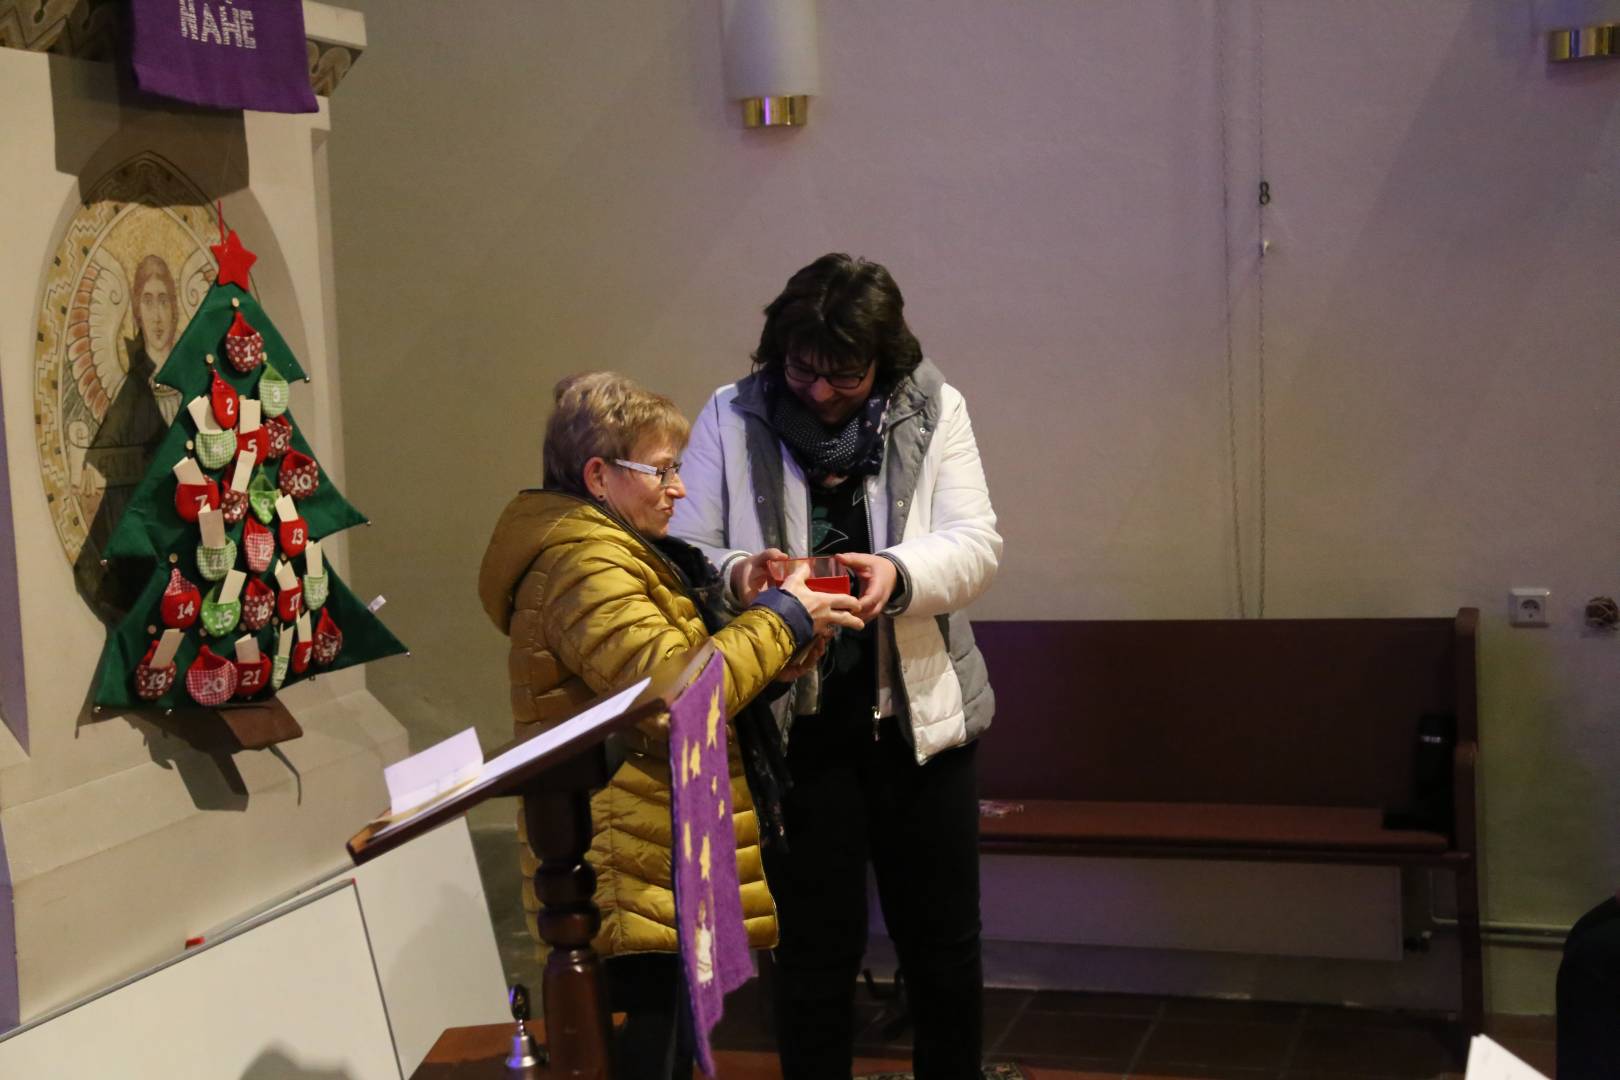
262	496
214	563
220	619
278	671
216	449
274	391
315	589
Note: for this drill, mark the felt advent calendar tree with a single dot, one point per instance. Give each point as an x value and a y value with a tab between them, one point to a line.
231	513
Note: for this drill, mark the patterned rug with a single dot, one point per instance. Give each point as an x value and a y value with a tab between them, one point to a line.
991	1072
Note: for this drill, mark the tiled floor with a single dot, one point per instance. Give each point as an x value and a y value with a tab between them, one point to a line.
1098	1035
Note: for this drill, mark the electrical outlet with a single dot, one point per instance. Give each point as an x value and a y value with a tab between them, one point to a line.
1528	607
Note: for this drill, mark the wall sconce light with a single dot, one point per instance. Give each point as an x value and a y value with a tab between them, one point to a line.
771	61
1583	43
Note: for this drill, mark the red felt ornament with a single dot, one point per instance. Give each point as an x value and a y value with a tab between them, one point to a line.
211	679
289	603
294	536
258	545
182	602
300	656
234	504
152	683
227	404
253	677
234	260
300	475
192	499
257	440
258	604
278	431
244	345
328	640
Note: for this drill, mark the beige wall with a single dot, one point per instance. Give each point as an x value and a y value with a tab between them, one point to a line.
530	188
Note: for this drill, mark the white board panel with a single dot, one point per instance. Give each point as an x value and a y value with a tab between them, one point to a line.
293	995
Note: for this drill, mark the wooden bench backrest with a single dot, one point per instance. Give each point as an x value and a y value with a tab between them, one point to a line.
1314	712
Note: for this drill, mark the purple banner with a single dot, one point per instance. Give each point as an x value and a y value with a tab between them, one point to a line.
227	54
708	905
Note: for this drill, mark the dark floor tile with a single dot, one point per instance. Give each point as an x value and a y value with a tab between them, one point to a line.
1393	1052
1227	1045
1502	1028
1090	1004
1346	1016
1055	1037
1231	1011
1000	1010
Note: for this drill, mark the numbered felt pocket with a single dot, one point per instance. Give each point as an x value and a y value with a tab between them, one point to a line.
278	671
300	474
214	563
294	536
211	679
234	505
258	546
152	683
226	403
191	499
252	677
262	496
290	604
216	449
328	640
315	590
218	618
181	602
258	604
244	346
300	656
279	431
274	391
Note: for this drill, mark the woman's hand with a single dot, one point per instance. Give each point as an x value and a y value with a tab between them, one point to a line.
877	576
752	576
804	661
828	611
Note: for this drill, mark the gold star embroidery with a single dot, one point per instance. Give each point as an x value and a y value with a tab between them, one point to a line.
703	859
714	785
714	720
694	762
686	839
720	809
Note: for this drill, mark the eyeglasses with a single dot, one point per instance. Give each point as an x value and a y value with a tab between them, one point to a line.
805	375
666	476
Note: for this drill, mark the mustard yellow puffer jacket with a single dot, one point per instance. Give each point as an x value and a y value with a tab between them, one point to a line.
590	607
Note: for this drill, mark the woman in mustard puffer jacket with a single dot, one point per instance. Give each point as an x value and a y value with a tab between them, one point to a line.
593	594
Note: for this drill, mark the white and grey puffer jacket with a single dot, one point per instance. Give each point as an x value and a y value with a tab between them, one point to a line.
745	492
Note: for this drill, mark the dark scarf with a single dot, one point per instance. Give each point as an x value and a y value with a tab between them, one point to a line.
758	741
854	449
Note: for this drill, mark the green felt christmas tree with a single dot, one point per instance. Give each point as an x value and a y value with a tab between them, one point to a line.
231	513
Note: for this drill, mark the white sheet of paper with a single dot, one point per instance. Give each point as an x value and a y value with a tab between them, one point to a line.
284	642
1488	1060
606	710
247	649
304	633
244	470
286	509
286	577
232	586
312	558
168	645
202	414
187	471
212	523
247	415
423	777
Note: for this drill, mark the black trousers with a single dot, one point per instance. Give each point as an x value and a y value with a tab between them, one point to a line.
855	800
1589	997
655	1040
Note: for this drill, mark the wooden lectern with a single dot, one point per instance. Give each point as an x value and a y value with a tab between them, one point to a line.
555	785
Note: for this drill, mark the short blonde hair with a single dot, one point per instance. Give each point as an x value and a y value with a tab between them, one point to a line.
607	415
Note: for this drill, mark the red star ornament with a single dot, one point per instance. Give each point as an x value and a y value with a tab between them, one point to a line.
234	261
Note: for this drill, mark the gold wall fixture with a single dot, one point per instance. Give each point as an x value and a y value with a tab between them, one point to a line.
772	67
1583	43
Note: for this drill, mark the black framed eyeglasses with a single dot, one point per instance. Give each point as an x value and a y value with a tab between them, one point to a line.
804	375
666	476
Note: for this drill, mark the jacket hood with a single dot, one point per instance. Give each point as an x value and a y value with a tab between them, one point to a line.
531	522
